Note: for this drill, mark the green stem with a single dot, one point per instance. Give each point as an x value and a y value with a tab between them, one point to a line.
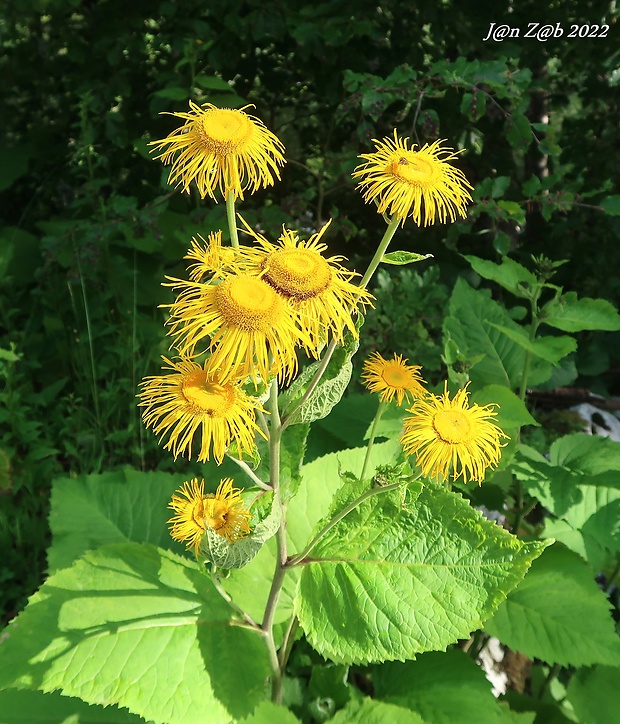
288	641
249	472
295	560
553	672
371	440
275	438
612	577
224	594
383	245
232	220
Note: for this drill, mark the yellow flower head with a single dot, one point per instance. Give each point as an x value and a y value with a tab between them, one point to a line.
194	512
221	148
404	182
319	288
210	256
192	398
447	434
393	377
252	330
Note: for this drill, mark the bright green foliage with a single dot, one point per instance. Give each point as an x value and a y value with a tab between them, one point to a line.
320	481
369	711
558	614
509	274
438	686
95	510
400	258
580	486
398	577
594	694
571	314
26	706
268	713
138	626
478	325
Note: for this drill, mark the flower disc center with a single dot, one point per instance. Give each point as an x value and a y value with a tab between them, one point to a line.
452	426
209	397
215	512
298	273
223	130
395	376
413	169
248	303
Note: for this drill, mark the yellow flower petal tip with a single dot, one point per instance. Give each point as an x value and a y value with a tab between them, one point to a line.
393	378
210	256
421	184
250	330
191	401
221	149
194	511
451	436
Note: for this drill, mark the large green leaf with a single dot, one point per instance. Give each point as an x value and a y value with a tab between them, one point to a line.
328	391
25	706
550	349
269	713
370	711
441	687
571	314
320	481
594	694
558	614
474	323
580	485
94	510
398	577
137	626
510	274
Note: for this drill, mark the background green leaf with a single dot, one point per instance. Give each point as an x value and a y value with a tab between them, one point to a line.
593	693
558	614
441	687
571	314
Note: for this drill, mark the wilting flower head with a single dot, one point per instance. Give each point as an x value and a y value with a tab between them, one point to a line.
210	256
319	288
249	328
221	148
190	398
393	377
421	184
449	435
194	512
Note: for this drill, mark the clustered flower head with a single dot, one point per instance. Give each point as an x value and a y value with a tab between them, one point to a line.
245	311
422	184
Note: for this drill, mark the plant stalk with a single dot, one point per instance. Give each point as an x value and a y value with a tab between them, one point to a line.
371	440
232	219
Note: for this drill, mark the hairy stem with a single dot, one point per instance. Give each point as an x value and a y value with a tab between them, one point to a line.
295	560
275	438
232	220
224	594
249	472
371	440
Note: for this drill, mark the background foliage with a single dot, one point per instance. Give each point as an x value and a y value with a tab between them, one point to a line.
88	227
